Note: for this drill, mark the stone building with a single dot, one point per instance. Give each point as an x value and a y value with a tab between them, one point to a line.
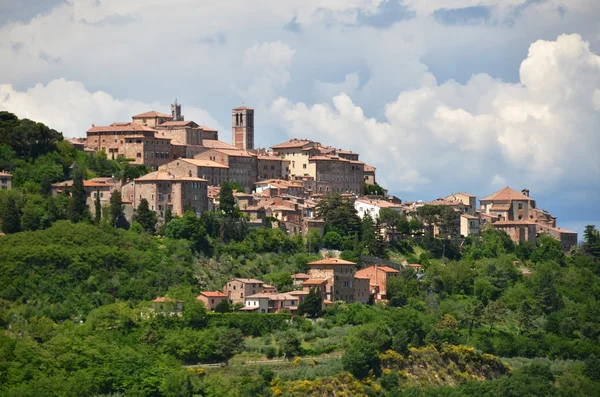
211	299
339	275
297	152
95	187
237	289
272	167
164	190
370	175
566	237
242	121
215	173
334	174
242	165
469	225
5	181
508	205
151	119
362	290
377	276
469	202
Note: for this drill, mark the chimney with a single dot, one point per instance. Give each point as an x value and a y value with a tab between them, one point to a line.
525	192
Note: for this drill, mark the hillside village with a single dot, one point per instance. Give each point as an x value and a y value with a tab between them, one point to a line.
281	187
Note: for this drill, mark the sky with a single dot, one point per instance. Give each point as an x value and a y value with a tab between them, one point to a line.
441	96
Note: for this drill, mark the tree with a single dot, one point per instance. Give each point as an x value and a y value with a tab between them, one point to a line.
189	227
360	357
229	343
339	215
97	209
313	240
371	240
548	249
313	304
115	211
145	217
493	313
226	199
78	201
332	240
11	219
374	189
289	344
223	307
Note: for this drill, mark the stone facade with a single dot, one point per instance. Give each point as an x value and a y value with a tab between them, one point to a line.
336	175
242	165
370	175
272	167
102	187
566	237
339	275
362	290
238	289
165	191
215	173
378	276
5	181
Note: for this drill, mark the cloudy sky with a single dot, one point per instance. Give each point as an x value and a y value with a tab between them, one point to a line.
440	95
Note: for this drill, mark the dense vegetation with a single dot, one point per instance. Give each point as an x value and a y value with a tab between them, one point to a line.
77	317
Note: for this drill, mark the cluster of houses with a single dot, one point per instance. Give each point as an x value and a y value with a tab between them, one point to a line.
335	279
283	183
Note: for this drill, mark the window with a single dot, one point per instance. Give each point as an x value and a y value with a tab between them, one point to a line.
304	166
520	206
139	155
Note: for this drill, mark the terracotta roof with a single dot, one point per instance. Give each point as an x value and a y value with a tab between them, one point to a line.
443	201
166	176
369	168
358	276
299	292
314	281
384	268
206	128
468	216
213	294
235	152
151	114
129	127
273	158
414	265
204	163
514	223
181	123
464	194
292	143
5	174
248	280
242	108
217	144
378	203
332	261
507	194
541	227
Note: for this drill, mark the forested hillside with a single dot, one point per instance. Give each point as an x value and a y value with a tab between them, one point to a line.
487	318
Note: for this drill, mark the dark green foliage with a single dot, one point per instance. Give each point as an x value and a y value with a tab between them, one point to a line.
374	190
116	215
77	202
189	227
289	344
226	199
229	343
441	215
97	209
312	304
145	217
9	215
339	215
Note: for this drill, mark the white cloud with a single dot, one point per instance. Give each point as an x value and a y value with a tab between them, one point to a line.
541	132
69	107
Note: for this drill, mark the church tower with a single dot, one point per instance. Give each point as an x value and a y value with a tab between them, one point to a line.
176	111
242	128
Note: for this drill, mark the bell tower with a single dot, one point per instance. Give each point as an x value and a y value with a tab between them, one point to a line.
176	111
242	121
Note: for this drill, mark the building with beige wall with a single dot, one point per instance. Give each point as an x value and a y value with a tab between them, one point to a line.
5	181
469	201
369	175
339	275
151	119
242	165
211	299
297	152
164	190
469	225
334	174
567	238
215	173
237	289
508	204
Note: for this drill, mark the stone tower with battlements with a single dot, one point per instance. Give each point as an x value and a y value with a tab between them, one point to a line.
176	111
242	121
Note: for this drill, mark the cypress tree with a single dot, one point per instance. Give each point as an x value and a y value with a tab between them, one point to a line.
227	202
98	209
11	219
117	217
145	217
77	202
